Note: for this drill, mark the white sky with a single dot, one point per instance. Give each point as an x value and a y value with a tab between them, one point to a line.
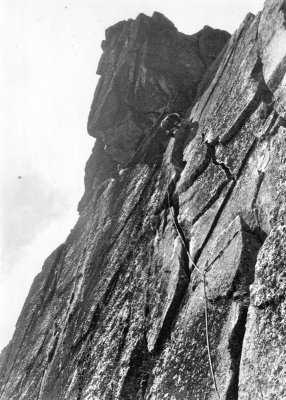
50	51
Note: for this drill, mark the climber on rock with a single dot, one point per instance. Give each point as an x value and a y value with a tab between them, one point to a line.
171	123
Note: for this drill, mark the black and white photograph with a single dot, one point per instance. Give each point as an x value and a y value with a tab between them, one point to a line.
143	200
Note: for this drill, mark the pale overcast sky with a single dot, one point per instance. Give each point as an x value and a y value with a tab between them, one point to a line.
50	51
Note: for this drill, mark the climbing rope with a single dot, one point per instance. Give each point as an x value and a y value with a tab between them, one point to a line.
203	275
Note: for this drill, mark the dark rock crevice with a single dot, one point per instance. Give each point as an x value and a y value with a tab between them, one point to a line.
212	152
196	173
277	75
274	303
283	11
272	128
254	207
80	383
215	221
170	320
209	266
276	122
151	148
239	294
211	201
235	349
174	210
232	185
175	306
171	205
281	122
125	329
224	167
41	384
208	156
90	331
136	379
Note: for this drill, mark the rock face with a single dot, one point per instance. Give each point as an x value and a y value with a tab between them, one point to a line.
119	309
146	65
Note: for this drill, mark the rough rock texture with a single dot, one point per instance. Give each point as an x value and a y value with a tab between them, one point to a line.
118	311
146	65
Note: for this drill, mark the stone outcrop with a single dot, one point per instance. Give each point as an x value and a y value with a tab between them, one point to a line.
170	227
146	65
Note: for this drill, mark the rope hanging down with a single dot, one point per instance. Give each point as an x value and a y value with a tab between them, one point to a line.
203	275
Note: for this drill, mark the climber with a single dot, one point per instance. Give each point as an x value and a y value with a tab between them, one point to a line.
171	123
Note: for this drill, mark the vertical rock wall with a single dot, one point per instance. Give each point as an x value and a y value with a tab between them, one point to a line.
147	67
118	311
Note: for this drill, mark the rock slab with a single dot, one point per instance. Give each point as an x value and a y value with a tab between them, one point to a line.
170	229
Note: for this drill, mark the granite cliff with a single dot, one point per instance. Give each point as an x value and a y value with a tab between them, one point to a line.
118	310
